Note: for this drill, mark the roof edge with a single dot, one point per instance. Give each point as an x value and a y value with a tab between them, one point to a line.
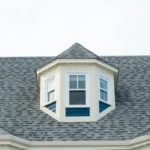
76	61
60	61
107	144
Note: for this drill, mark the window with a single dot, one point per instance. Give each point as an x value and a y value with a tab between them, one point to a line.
103	89
77	85
50	90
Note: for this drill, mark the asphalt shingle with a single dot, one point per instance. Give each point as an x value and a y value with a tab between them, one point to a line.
19	103
77	51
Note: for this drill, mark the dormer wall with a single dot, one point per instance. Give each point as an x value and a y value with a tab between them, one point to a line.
93	72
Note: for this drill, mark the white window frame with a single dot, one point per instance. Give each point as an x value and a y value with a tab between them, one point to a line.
108	90
86	89
46	90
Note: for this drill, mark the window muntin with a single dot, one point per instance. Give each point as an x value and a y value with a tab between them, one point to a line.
103	89
77	93
50	90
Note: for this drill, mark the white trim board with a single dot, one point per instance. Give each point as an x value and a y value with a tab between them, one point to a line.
84	61
87	104
11	140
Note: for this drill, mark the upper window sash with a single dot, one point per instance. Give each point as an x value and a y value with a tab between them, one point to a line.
103	89
80	84
50	90
77	82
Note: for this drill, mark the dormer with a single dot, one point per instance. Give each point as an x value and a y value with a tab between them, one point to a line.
77	86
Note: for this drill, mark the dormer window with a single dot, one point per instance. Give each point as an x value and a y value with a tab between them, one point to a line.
50	90
103	89
104	102
77	89
77	86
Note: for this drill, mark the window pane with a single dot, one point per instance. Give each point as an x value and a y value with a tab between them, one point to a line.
51	96
103	95
103	84
50	85
77	98
73	81
81	81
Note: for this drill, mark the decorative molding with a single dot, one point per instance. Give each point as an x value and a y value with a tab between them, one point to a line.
11	140
63	61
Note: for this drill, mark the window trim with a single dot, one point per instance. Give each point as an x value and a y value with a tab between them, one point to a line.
86	89
46	91
108	90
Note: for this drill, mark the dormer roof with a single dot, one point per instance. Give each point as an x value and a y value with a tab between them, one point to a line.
77	54
77	51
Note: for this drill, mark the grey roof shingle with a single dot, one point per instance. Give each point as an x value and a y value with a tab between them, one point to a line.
19	103
77	51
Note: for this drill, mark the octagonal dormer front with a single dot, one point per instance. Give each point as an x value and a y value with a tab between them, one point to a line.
75	89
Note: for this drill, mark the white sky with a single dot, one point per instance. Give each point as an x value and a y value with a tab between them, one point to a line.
48	27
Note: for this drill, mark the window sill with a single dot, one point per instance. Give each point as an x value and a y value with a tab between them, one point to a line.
77	106
105	102
49	103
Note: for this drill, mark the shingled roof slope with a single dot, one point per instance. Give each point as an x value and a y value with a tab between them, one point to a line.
77	51
21	116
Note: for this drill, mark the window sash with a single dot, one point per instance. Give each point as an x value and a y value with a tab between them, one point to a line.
50	89
102	84
49	96
77	82
79	78
51	84
105	95
102	89
78	97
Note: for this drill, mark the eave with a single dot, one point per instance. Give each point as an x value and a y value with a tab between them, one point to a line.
14	141
77	61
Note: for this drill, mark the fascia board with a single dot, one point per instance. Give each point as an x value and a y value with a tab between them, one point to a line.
109	145
64	61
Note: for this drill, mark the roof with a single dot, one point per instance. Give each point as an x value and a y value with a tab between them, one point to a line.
19	103
77	51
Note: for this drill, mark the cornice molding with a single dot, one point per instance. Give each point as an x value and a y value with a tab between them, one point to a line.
75	61
11	140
